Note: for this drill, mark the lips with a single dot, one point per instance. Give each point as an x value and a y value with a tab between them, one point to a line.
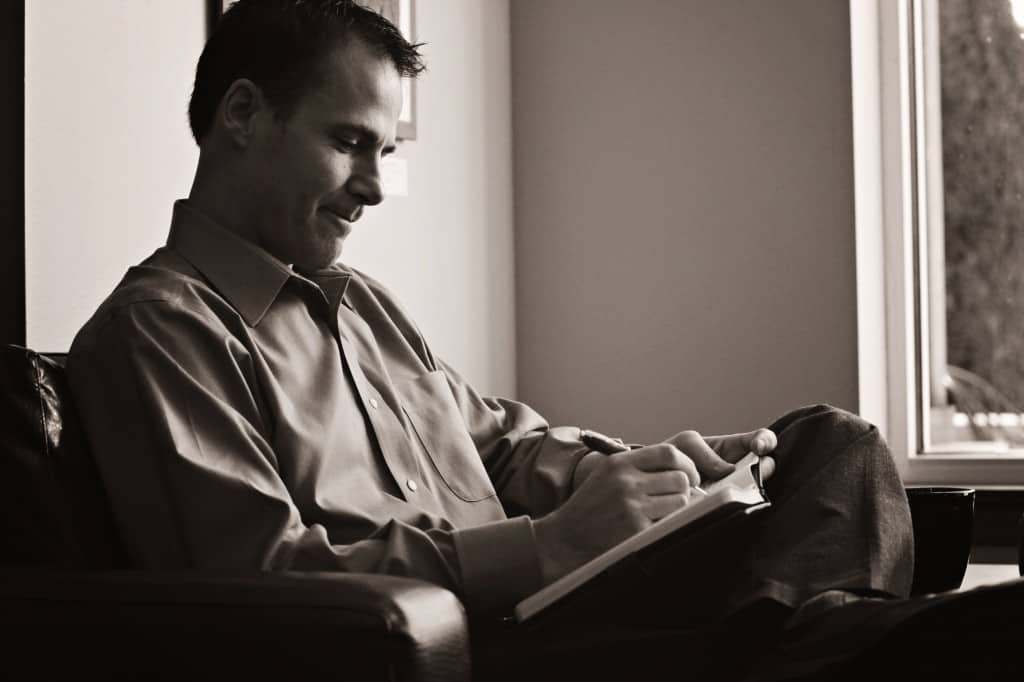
344	221
347	216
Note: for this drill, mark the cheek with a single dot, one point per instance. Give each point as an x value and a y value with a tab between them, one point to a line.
307	168
320	179
329	168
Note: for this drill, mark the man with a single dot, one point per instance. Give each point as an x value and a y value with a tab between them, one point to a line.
253	404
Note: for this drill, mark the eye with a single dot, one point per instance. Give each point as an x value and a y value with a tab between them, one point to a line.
345	145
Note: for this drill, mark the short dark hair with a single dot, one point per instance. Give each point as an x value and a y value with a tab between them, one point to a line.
278	44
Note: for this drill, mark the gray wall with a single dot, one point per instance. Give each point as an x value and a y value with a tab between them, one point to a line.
684	211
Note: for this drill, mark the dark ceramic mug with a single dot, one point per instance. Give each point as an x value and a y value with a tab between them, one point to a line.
1020	547
943	532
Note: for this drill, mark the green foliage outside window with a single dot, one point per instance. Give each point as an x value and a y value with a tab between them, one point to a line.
982	57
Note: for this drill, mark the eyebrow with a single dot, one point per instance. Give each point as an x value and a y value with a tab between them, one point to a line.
363	132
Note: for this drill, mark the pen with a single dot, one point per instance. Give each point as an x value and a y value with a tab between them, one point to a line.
609	446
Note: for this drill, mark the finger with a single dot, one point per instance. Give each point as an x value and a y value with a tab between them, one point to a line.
659	506
767	467
762	441
665	483
735	447
663	457
708	462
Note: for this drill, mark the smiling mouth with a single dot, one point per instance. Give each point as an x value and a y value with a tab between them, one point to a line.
343	221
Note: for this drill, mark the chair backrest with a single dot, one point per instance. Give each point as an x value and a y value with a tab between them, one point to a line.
53	510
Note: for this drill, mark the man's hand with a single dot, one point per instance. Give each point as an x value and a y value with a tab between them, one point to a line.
622	494
715	455
619	495
736	446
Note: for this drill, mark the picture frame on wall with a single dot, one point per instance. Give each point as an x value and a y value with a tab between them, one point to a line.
399	12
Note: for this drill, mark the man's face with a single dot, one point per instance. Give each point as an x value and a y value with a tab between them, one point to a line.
315	171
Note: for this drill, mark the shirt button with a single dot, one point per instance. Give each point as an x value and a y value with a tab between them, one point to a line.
412	485
373	403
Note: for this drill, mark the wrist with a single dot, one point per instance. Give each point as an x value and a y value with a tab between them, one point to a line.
550	549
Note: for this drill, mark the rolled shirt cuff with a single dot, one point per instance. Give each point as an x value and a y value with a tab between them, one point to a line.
499	564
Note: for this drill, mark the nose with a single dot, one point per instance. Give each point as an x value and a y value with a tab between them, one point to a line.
365	182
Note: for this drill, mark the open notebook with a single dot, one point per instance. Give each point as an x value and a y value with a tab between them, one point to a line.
743	490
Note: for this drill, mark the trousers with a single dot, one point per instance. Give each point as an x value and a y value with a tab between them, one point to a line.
839	520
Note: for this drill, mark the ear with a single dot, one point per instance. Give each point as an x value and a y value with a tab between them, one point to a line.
241	110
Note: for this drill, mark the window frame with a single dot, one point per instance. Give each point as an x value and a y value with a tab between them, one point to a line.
893	195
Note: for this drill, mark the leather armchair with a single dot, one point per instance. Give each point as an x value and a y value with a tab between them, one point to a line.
72	605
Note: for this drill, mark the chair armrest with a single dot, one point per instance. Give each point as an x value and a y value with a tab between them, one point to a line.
185	625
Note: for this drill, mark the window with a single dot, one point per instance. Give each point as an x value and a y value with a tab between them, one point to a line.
938	90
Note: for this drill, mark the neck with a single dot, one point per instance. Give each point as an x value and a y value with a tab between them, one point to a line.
216	194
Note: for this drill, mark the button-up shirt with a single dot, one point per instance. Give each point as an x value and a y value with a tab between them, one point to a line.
244	415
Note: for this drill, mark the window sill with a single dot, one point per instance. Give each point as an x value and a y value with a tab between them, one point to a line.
981	574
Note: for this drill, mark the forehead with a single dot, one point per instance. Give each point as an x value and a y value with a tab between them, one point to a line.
355	84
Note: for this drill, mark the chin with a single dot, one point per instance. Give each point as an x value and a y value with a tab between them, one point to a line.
325	258
335	255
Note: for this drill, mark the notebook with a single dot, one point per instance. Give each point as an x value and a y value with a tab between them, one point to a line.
740	491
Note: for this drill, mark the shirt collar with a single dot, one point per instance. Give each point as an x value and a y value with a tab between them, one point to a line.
333	282
243	273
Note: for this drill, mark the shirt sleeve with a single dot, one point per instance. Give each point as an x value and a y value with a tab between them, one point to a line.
530	462
169	398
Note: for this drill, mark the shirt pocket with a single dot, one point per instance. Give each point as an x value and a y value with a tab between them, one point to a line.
431	408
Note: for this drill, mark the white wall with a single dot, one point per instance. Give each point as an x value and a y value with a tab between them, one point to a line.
107	147
446	250
684	211
108	151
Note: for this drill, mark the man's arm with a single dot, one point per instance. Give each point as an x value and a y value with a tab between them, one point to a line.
530	463
585	501
536	467
173	413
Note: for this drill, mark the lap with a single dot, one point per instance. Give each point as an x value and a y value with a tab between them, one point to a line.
839	519
839	516
972	633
